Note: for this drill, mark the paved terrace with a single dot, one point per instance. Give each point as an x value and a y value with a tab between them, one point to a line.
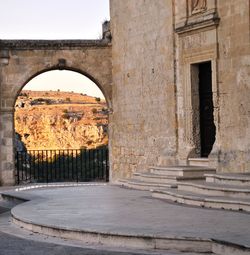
115	210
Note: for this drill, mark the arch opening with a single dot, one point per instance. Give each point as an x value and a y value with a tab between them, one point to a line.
90	79
61	122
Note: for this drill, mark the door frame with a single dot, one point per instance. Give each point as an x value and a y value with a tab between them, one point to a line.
191	134
195	70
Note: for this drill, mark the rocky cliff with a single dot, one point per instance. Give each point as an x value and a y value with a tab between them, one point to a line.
60	120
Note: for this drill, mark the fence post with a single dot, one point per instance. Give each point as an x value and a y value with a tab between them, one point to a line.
107	164
17	166
76	157
47	168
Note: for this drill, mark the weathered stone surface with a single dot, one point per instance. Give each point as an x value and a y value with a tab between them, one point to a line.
156	46
26	59
156	49
144	121
233	81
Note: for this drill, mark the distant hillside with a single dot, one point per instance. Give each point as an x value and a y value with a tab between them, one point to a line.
60	120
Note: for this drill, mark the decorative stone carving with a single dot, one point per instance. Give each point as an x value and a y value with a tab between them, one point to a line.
198	6
195	15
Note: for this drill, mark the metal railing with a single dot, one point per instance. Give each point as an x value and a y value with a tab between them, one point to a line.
78	165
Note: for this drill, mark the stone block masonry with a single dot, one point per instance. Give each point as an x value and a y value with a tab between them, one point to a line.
21	60
157	48
151	80
144	121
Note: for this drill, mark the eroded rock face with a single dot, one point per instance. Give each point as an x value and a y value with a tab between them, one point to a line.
60	120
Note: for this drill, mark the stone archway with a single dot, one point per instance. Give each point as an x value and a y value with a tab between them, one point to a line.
23	60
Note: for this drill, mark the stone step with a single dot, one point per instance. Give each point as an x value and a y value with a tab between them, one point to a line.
213	189
9	199
241	179
142	185
159	178
154	178
198	162
194	199
185	171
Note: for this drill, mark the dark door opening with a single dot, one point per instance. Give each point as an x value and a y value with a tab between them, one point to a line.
207	126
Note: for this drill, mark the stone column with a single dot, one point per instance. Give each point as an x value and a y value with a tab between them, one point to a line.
7	160
7	165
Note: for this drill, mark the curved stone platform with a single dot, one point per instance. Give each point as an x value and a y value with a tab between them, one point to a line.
121	217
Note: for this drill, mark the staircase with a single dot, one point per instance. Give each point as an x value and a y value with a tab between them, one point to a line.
195	184
221	191
198	162
161	178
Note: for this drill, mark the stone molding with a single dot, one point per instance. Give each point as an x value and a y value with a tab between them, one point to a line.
51	44
201	22
194	49
189	122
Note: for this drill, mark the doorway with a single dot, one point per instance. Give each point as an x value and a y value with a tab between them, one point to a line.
206	108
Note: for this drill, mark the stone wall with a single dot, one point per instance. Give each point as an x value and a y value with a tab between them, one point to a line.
143	127
234	85
216	31
156	48
20	61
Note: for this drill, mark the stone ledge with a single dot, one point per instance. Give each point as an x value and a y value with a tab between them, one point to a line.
51	44
200	23
200	200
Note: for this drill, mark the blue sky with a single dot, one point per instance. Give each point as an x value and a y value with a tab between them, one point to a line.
55	19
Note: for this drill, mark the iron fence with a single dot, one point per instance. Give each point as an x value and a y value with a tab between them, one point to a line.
79	165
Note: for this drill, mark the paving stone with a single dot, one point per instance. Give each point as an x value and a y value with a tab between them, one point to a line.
111	209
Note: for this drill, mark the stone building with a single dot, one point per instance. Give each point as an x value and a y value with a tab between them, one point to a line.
181	84
176	77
